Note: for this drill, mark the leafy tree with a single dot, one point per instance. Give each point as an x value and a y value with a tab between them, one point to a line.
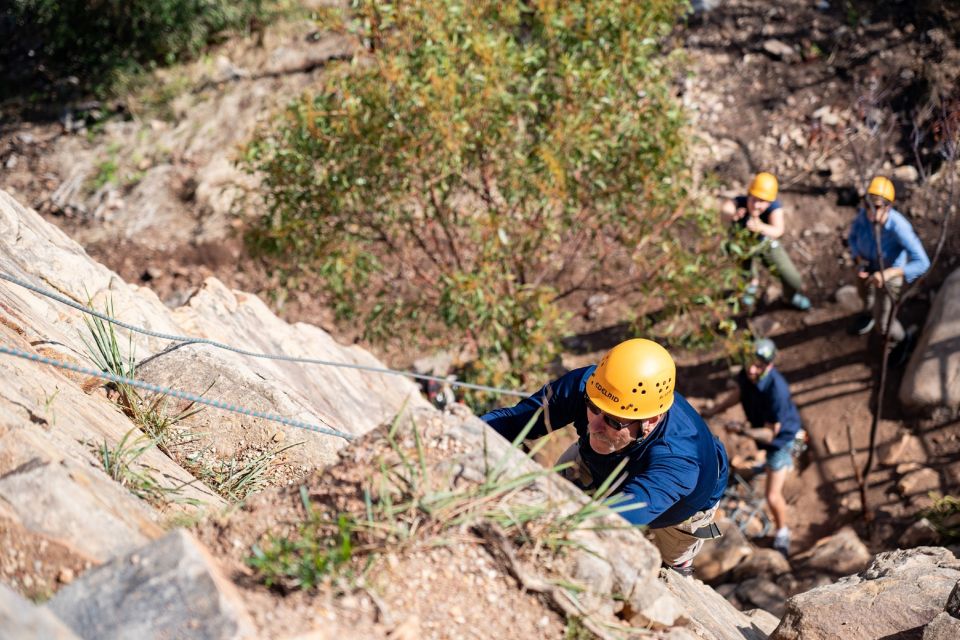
478	165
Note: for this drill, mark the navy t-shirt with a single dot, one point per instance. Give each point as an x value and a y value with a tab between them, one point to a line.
767	402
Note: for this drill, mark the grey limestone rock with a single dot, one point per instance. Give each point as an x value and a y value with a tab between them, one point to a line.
20	618
170	588
900	591
932	378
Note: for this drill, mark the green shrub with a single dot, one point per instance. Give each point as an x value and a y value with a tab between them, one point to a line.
480	164
96	40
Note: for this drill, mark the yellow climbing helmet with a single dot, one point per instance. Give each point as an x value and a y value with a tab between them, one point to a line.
634	381
764	186
882	187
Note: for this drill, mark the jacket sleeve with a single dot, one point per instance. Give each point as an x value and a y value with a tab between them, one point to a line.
664	482
565	397
917	260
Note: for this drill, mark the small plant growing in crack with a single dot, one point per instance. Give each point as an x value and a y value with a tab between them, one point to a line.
121	463
240	476
149	412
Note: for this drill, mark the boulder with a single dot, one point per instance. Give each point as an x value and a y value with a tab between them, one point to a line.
762	593
20	618
932	377
906	173
842	553
721	555
848	298
920	533
780	49
904	450
763	619
943	627
763	562
170	588
709	615
921	482
900	592
953	601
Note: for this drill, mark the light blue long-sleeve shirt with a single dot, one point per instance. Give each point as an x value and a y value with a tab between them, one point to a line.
899	244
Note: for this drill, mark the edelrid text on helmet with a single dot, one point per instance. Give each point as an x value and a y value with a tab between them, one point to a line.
634	380
882	187
764	186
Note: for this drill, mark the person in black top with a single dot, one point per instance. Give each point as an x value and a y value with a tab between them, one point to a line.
761	213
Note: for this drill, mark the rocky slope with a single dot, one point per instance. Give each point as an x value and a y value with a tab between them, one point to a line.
73	532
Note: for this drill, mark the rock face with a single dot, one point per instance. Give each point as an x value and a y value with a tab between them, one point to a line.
53	489
900	591
932	378
55	422
168	589
19	618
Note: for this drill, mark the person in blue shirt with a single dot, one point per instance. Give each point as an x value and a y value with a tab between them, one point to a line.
626	408
761	213
904	259
774	425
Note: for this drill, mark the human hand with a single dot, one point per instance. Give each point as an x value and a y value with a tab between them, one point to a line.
863	274
754	224
876	279
739	213
733	426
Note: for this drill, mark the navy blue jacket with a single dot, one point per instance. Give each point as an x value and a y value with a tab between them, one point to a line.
768	402
679	469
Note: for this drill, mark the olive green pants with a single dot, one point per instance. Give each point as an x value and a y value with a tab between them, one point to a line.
773	256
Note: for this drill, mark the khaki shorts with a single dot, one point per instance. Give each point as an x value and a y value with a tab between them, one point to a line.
677	544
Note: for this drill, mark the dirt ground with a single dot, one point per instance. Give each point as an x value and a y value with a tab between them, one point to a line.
756	106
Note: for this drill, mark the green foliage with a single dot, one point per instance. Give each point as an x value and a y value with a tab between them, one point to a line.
480	164
98	41
944	515
308	559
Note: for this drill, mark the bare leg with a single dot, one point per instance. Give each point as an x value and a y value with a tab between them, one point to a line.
778	505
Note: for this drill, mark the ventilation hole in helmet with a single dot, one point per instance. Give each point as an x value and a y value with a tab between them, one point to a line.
640	384
644	392
622	408
634	390
661	406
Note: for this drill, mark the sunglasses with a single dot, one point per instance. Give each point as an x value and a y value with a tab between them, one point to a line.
610	421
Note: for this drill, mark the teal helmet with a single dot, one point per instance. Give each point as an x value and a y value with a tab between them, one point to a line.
764	349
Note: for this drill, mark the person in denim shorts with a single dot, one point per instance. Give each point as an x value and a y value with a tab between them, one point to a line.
774	425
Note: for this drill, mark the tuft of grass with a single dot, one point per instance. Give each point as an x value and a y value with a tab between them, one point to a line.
235	479
149	412
405	505
120	462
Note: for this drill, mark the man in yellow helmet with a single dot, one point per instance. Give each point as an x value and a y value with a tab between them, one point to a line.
625	408
901	252
762	214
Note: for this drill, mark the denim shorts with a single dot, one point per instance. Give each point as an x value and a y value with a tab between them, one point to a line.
781	458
